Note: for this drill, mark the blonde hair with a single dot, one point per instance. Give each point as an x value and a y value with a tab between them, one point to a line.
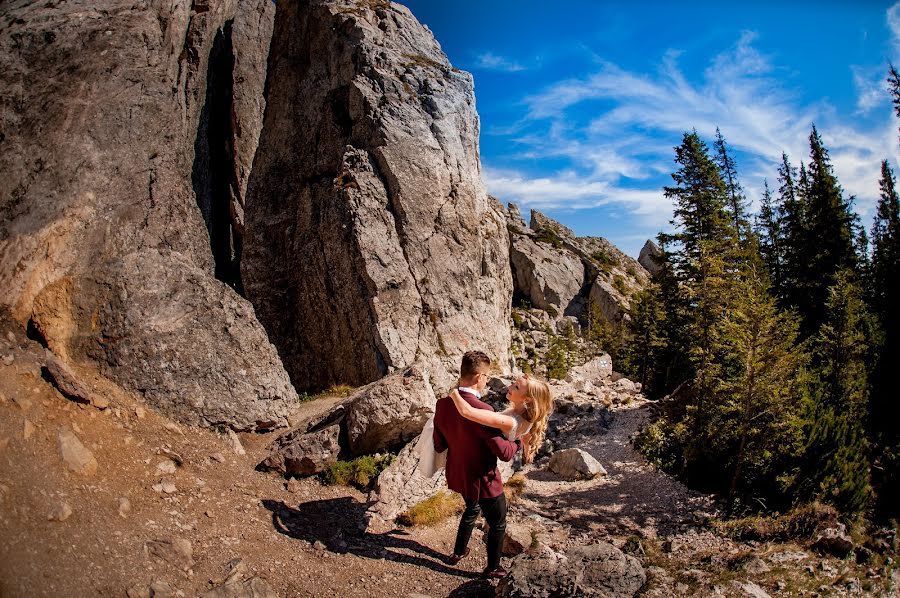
538	407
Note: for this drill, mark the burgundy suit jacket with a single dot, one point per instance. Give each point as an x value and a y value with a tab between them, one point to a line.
473	450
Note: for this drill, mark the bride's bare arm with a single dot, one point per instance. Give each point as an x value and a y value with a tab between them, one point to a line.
491	419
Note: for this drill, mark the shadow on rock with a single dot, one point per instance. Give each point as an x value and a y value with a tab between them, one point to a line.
339	524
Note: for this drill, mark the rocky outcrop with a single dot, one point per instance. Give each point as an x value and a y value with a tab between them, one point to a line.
390	412
370	240
127	132
563	274
381	416
600	570
651	257
401	486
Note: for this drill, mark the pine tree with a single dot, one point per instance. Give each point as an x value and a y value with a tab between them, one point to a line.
736	199
830	245
758	426
647	325
793	232
836	465
769	229
884	283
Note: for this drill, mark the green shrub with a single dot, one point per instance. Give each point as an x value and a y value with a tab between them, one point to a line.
802	522
360	472
618	283
549	236
517	319
552	311
603	260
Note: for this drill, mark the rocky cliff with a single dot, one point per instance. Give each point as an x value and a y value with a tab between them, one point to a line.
371	242
176	196
563	274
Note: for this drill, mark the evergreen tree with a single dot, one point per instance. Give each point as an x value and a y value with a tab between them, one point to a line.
647	326
703	244
830	235
769	229
736	199
885	297
793	233
836	466
759	430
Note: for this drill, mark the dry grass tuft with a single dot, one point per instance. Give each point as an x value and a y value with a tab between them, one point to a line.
514	487
433	510
340	390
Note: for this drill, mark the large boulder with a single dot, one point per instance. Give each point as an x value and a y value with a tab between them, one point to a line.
186	341
566	275
390	412
370	239
401	486
575	464
304	453
381	416
599	570
595	371
550	277
127	132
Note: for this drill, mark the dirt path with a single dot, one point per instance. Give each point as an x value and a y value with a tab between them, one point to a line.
634	498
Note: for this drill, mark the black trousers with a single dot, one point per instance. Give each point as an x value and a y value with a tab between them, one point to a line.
494	510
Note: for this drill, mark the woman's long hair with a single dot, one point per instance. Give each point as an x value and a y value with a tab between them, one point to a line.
538	407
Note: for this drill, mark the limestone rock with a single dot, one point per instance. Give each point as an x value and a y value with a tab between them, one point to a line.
390	412
599	570
401	486
66	381
575	464
651	257
185	340
60	512
176	552
551	278
124	507
75	455
624	385
517	540
377	244
303	453
235	443
596	370
123	185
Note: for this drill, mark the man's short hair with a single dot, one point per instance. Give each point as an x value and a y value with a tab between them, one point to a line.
474	362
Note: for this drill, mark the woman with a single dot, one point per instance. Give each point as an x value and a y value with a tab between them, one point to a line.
526	417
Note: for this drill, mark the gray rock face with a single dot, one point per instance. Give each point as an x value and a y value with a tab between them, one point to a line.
390	412
547	276
370	240
595	371
561	273
599	570
185	340
575	464
401	486
651	257
125	159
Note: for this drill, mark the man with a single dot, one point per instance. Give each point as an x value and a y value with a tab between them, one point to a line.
472	462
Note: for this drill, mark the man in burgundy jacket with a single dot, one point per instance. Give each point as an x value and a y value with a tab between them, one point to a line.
472	462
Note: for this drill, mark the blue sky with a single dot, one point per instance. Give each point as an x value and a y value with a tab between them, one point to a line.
581	103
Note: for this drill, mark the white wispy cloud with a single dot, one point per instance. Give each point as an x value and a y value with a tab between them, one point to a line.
618	157
489	61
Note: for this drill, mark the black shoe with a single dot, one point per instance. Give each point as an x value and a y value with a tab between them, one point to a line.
498	573
455	558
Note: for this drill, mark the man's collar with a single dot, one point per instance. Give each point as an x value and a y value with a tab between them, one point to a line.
471	391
